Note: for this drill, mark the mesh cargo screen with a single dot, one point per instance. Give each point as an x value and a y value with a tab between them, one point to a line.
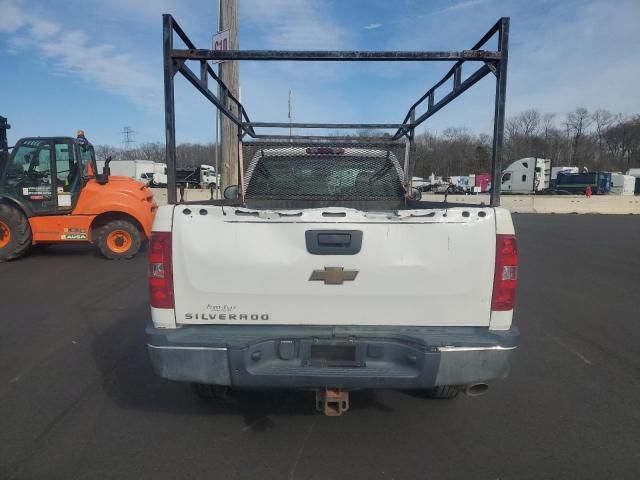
323	171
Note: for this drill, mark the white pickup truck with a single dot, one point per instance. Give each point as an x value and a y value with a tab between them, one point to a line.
325	276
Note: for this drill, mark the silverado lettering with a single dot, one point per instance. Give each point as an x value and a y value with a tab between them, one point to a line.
226	316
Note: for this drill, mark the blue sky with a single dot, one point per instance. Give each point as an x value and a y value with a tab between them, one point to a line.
97	65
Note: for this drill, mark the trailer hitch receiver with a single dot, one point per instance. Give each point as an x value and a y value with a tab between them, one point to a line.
333	402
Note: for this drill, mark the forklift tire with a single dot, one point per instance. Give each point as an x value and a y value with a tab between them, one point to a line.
119	240
15	233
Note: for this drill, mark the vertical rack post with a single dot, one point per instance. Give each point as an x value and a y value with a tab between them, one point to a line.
498	119
407	152
240	155
169	108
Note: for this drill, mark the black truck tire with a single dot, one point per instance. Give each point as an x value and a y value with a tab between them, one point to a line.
15	233
119	240
443	392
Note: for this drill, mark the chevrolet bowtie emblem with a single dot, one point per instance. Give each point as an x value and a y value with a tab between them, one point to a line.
333	275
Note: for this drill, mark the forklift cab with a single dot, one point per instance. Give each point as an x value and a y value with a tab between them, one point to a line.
45	175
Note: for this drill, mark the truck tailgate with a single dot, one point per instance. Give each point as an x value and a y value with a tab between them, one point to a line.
419	268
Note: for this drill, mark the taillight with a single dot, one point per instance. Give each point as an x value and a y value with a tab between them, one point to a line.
160	272
505	277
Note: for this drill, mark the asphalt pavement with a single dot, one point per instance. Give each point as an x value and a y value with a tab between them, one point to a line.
78	397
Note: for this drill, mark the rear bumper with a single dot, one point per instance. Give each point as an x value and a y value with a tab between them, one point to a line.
367	356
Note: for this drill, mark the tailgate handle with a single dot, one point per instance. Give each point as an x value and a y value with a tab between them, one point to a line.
333	242
337	239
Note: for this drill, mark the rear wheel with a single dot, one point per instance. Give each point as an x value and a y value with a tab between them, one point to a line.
443	392
119	240
15	233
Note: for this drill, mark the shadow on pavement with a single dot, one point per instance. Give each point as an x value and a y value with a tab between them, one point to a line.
71	250
119	352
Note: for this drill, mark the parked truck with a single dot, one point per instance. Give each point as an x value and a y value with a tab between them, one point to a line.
527	175
203	176
159	177
318	271
556	170
307	288
599	182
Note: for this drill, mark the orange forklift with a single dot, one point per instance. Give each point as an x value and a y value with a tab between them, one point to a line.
51	193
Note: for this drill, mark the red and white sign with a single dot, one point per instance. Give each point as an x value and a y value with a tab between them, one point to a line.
221	42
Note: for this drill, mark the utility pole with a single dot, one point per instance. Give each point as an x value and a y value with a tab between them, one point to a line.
228	72
127	140
127	136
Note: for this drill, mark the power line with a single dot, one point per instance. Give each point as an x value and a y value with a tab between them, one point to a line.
127	137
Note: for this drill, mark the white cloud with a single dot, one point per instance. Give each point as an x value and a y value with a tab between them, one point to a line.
562	55
589	60
372	26
12	18
290	25
293	24
149	12
72	53
463	5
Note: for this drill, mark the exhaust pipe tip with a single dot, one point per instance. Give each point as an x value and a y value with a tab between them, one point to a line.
476	389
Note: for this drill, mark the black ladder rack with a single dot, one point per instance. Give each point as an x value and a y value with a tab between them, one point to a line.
175	61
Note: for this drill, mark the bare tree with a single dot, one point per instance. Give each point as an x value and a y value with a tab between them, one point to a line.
602	120
577	124
529	122
623	141
104	151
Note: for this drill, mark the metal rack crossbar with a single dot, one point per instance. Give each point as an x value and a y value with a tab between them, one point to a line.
175	61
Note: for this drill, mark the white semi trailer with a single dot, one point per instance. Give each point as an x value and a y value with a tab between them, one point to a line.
527	175
622	184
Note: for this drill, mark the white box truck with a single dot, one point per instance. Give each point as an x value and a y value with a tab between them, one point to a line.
141	170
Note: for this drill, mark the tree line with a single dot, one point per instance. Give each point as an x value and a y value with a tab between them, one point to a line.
188	155
598	140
